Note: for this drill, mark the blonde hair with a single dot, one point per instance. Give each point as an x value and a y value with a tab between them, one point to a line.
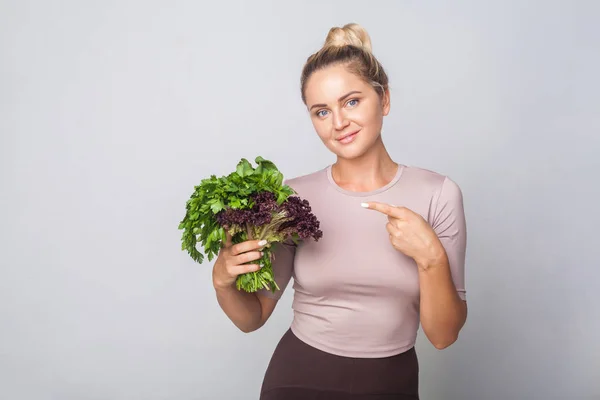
350	46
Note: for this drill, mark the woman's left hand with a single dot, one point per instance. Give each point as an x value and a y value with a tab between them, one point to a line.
410	234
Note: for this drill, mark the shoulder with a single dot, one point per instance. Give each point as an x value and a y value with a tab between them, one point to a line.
438	196
437	185
427	177
423	176
308	182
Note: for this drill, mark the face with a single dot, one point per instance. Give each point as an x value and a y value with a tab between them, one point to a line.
347	112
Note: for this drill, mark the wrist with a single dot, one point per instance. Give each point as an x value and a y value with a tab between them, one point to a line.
224	287
435	257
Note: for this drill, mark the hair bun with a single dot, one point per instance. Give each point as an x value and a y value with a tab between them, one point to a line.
350	34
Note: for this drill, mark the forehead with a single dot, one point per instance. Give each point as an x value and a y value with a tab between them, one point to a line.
328	84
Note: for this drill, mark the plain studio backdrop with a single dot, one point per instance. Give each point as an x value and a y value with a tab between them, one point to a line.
110	113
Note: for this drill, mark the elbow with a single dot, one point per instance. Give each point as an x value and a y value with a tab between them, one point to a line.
248	329
441	339
443	344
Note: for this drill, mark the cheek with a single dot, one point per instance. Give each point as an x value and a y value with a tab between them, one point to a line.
368	113
369	119
322	127
373	115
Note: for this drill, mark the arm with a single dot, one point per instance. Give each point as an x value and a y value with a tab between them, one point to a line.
438	248
443	312
441	270
247	311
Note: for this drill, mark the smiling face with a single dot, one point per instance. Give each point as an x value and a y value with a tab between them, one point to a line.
346	111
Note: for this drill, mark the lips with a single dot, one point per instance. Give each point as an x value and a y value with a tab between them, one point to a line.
347	138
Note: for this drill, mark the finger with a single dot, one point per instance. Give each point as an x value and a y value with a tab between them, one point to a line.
246	257
243	269
398	244
392	229
248	245
228	239
397	222
384	208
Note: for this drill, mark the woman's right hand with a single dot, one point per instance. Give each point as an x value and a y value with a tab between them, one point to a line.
232	260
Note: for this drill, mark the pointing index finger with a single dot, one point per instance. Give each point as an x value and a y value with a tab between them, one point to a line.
386	209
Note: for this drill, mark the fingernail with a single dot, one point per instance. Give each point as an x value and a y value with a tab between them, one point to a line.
262	242
365	205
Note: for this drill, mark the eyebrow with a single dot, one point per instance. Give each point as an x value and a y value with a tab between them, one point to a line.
340	99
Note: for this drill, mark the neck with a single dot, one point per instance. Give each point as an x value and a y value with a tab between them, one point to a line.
372	170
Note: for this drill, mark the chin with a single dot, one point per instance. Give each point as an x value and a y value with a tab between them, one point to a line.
350	154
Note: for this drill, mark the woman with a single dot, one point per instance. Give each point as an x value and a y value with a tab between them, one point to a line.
391	256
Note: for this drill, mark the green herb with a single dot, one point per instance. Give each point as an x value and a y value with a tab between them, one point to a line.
251	203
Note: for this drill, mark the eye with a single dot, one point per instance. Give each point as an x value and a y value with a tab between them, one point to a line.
321	113
352	103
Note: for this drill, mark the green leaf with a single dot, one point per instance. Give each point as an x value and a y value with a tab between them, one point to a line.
244	168
281	197
265	164
217	206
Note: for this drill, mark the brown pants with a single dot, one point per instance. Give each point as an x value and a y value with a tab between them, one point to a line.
298	371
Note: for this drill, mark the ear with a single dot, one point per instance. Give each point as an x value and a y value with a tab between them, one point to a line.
385	102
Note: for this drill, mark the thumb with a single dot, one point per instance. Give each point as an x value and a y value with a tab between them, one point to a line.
228	240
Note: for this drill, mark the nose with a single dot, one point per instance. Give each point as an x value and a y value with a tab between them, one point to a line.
339	120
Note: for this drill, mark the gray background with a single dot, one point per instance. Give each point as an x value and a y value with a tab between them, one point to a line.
111	111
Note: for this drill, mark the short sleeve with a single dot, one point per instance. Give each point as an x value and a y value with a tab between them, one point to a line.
449	223
283	267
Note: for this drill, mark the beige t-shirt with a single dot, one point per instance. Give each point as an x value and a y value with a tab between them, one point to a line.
355	295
